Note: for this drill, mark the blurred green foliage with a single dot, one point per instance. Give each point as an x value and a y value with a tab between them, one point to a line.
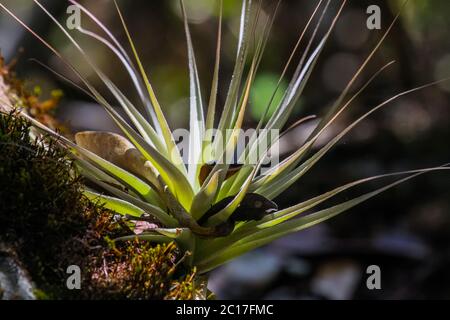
262	92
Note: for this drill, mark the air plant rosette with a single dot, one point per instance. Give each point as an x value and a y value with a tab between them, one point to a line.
216	207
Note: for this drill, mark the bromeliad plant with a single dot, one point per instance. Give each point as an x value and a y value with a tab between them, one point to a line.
214	210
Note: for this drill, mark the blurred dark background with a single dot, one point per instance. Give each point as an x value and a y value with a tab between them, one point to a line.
404	231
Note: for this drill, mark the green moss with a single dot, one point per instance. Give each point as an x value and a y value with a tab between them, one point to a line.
137	270
49	223
38	190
